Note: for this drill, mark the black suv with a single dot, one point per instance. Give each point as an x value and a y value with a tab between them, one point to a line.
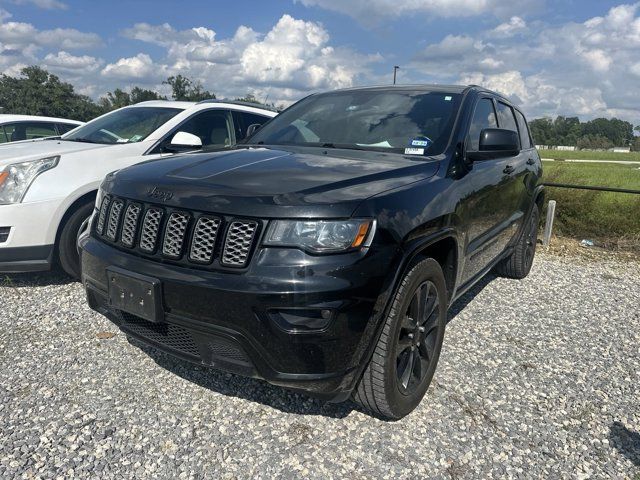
323	253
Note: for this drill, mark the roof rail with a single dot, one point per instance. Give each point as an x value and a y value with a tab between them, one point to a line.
239	102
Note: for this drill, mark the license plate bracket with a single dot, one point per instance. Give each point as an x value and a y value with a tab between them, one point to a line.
136	294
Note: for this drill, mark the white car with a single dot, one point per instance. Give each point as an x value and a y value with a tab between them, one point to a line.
14	128
48	187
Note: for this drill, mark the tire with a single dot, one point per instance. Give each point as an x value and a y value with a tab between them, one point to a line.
518	264
384	389
67	251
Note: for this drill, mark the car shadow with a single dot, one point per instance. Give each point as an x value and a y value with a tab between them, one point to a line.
626	441
39	279
260	391
461	303
251	389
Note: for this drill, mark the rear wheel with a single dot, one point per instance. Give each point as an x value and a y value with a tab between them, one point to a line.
518	265
67	250
406	355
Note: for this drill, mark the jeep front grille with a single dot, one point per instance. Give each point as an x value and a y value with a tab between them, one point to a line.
150	229
204	239
174	234
114	219
130	225
194	238
102	217
238	243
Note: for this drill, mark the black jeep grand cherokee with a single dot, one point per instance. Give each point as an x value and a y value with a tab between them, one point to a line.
323	253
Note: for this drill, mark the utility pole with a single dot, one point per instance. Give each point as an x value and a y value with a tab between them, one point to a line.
395	69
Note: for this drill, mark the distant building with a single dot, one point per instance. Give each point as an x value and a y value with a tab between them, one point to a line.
556	147
620	149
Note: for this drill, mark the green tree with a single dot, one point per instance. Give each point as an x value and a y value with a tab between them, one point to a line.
594	142
184	88
38	92
119	98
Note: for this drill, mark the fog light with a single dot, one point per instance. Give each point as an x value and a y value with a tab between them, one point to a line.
301	320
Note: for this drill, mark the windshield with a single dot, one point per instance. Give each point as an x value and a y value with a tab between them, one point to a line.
402	121
127	125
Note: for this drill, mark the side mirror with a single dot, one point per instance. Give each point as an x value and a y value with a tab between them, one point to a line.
496	143
183	141
251	129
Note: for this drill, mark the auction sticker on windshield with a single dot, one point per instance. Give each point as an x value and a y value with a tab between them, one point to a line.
414	151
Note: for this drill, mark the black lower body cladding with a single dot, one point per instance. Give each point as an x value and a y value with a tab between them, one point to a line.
303	325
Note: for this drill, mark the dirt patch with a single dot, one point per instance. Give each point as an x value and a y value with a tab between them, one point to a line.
623	249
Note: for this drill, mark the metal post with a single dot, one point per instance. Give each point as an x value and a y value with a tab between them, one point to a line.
548	226
395	69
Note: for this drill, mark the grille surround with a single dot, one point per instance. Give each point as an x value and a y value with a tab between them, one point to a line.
174	234
238	243
189	238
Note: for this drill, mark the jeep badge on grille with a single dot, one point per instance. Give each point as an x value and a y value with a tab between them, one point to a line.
158	194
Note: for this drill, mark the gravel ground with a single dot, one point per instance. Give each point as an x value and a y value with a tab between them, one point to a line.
538	379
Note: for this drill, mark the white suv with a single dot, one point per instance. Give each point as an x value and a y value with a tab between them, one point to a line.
16	128
48	187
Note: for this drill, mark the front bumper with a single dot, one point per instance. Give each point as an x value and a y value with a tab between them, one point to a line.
29	244
232	320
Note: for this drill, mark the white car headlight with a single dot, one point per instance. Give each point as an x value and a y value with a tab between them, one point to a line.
16	179
321	236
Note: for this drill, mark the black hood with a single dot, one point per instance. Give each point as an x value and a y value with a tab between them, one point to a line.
267	182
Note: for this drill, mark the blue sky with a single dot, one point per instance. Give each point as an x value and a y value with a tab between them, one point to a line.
554	57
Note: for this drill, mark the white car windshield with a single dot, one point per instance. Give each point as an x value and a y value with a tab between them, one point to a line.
127	125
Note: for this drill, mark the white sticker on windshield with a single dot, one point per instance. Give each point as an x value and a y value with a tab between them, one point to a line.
448	99
414	151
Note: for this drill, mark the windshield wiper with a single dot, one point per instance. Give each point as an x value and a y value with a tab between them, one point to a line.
80	140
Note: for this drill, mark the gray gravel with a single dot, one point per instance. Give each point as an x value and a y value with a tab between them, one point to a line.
538	379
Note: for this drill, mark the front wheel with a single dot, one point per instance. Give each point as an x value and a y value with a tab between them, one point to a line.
406	355
67	250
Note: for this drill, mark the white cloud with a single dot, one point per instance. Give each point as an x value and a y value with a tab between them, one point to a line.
4	15
372	11
45	4
510	28
67	63
140	67
571	69
283	64
22	35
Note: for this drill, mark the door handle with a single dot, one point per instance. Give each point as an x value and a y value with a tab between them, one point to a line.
508	169
531	161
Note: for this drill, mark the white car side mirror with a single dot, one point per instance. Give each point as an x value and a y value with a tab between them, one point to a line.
184	139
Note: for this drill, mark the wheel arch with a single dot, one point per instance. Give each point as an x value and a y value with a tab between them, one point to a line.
77	203
444	250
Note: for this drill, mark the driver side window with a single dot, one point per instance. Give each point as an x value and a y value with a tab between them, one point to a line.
213	127
483	117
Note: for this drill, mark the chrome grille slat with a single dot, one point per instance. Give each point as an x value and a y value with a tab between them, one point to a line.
238	242
204	239
102	216
130	224
150	229
114	219
174	234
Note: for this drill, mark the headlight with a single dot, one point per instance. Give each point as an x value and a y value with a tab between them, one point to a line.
321	236
15	179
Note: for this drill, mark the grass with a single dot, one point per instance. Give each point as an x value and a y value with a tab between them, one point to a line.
604	216
589	155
